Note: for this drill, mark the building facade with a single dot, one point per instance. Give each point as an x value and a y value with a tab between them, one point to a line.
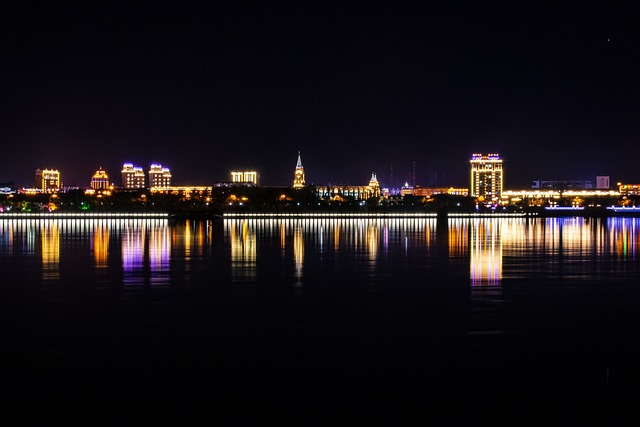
48	180
100	180
356	192
298	176
132	177
245	178
487	178
603	182
159	176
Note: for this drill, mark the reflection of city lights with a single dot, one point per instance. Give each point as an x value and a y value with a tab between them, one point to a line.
132	247
50	250
298	250
486	252
159	248
373	239
242	237
101	245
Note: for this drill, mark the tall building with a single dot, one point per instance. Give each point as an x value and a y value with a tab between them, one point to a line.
602	182
486	178
100	180
132	176
48	180
245	177
159	176
298	177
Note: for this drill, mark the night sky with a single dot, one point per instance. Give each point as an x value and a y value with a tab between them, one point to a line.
355	88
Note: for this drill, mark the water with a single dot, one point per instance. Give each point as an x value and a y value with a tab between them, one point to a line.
314	308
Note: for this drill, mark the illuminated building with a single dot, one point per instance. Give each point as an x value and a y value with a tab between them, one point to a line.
550	197
357	192
628	189
159	176
561	185
430	191
188	191
406	189
298	177
486	178
602	183
132	176
245	177
48	180
100	180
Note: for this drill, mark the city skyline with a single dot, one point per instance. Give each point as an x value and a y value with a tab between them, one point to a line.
134	177
355	89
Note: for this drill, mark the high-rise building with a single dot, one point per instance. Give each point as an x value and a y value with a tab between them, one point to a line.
298	177
245	177
48	180
132	176
486	178
159	176
602	182
100	180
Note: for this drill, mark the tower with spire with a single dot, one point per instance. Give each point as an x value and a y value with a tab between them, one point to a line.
298	177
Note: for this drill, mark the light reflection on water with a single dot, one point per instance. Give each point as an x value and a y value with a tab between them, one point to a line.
146	250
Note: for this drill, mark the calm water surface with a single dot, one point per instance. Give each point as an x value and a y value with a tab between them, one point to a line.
298	308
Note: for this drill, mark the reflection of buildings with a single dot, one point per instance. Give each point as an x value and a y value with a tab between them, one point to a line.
458	238
486	252
48	180
101	245
148	239
486	178
298	250
159	176
50	250
243	249
132	176
298	175
100	180
373	239
244	178
133	241
357	192
159	249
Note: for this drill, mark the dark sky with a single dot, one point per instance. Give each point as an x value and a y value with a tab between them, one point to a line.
555	89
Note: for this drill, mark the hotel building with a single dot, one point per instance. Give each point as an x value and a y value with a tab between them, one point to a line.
48	180
486	178
132	176
159	177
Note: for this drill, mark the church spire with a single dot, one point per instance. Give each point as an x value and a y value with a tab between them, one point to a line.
298	177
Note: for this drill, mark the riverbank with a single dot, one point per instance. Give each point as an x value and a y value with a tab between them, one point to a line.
536	212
